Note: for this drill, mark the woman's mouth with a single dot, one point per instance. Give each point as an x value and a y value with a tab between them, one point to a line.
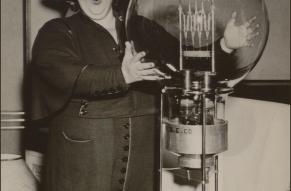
96	2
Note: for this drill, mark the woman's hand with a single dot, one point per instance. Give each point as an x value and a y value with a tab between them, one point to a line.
134	69
239	36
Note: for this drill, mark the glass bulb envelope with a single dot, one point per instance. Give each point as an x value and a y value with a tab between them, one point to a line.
169	31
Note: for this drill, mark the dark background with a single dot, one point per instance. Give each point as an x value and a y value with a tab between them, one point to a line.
267	90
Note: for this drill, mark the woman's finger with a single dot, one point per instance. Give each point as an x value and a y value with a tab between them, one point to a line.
128	52
249	30
138	56
145	65
152	71
159	72
233	18
252	29
248	43
152	78
250	21
147	72
252	35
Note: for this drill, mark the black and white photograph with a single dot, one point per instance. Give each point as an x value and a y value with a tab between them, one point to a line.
145	95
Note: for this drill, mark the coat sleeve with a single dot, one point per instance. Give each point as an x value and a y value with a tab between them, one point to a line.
225	63
58	72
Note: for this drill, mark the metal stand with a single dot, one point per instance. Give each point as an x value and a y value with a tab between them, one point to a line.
203	145
216	173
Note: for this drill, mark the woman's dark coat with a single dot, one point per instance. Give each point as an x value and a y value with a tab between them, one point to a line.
102	132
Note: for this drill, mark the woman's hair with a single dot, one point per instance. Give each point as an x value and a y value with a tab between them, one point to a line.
74	5
119	6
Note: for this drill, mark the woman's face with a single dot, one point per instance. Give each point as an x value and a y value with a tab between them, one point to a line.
95	9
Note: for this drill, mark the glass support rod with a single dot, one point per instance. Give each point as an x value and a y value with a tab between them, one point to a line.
213	37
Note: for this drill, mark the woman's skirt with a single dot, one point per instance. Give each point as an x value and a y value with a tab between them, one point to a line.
87	153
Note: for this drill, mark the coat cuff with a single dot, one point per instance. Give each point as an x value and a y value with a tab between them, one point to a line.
224	47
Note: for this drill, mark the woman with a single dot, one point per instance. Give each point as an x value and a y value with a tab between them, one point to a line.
102	130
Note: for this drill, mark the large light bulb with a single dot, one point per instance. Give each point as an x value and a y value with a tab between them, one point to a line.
164	27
